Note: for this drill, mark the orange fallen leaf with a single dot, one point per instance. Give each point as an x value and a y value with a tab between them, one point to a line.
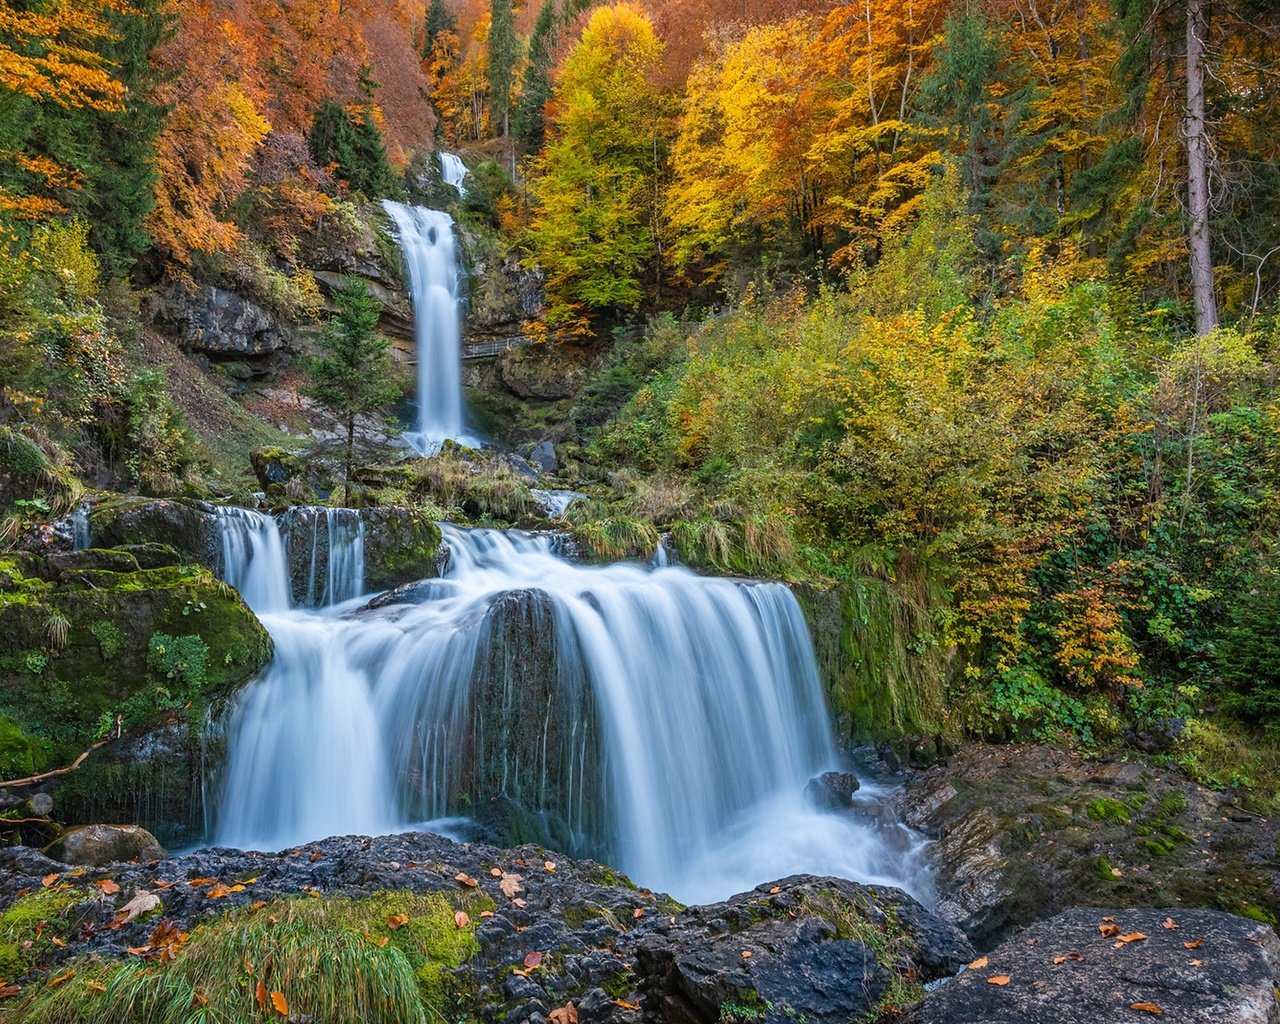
638	912
96	986
1196	963
158	884
57	941
1109	930
998	979
138	950
260	993
1193	945
257	904
217	892
49	879
198	998
1147	1008
280	1003
522	973
55	982
980	963
380	941
550	866
626	1005
496	872
775	890
521	904
397	921
1067	956
1108	919
1132	937
462	878
248	967
567	1014
1169	923
313	858
460	919
107	886
486	913
532	960
510	885
200	883
9	990
746	954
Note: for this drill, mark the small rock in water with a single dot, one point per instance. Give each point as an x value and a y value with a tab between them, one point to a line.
831	791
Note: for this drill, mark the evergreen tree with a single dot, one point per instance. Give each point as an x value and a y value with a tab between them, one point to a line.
352	376
355	149
438	20
504	52
530	128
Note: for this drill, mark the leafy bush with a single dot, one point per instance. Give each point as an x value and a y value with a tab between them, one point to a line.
183	659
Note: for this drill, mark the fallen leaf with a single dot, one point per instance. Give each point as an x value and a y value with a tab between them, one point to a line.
1147	1008
532	960
462	878
626	1005
248	967
1193	945
510	885
522	973
9	990
96	986
142	903
55	982
280	1003
1108	919
496	872
48	880
260	993
158	884
1169	923
638	912
397	921
1109	930
107	886
460	919
550	866
521	904
998	979
139	950
217	892
1196	963
746	954
60	943
198	998
980	963
486	913
380	941
1132	937
313	858
257	904
567	1014
1067	956
775	890
200	883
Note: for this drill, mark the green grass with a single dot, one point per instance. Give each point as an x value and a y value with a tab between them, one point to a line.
336	961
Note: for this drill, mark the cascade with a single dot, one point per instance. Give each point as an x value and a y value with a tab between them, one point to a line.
658	720
454	172
431	264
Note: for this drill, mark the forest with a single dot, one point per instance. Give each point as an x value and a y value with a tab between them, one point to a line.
959	317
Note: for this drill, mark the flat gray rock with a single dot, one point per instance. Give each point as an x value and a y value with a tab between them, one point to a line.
1227	977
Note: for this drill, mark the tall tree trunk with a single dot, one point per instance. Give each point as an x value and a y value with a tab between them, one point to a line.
1198	173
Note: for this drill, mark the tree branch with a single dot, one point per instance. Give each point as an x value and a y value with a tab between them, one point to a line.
33	779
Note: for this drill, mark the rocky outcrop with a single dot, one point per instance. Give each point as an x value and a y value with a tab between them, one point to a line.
96	846
186	526
1024	831
1088	965
224	325
95	644
503	295
509	935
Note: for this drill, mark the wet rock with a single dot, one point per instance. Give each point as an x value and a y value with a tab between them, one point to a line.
98	845
544	457
1229	976
189	527
221	323
1024	831
831	791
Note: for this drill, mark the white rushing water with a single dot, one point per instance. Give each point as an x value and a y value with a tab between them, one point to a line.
432	273
454	172
672	735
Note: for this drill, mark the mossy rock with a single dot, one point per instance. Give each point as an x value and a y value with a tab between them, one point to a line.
400	545
187	526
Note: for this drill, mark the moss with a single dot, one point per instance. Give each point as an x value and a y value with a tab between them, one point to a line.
1105	809
20	755
45	912
1256	913
1104	870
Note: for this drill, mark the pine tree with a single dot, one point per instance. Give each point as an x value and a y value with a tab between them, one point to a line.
354	149
504	51
352	376
438	20
535	91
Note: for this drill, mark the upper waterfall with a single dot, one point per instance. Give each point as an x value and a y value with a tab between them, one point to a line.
431	264
660	720
454	172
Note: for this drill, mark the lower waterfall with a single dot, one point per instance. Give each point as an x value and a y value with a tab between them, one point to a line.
658	720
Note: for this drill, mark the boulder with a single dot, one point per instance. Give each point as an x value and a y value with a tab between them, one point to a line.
187	526
831	791
544	457
222	324
1088	965
98	845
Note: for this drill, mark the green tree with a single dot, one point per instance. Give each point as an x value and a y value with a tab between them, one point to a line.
594	226
504	52
354	149
352	375
438	20
535	90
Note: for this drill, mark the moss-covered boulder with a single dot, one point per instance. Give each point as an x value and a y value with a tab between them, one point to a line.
400	545
93	645
186	526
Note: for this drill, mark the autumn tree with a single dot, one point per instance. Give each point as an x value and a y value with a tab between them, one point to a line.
439	20
352	375
596	197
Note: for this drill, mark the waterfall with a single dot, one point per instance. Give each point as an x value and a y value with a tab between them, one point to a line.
454	172
431	263
79	520
659	720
